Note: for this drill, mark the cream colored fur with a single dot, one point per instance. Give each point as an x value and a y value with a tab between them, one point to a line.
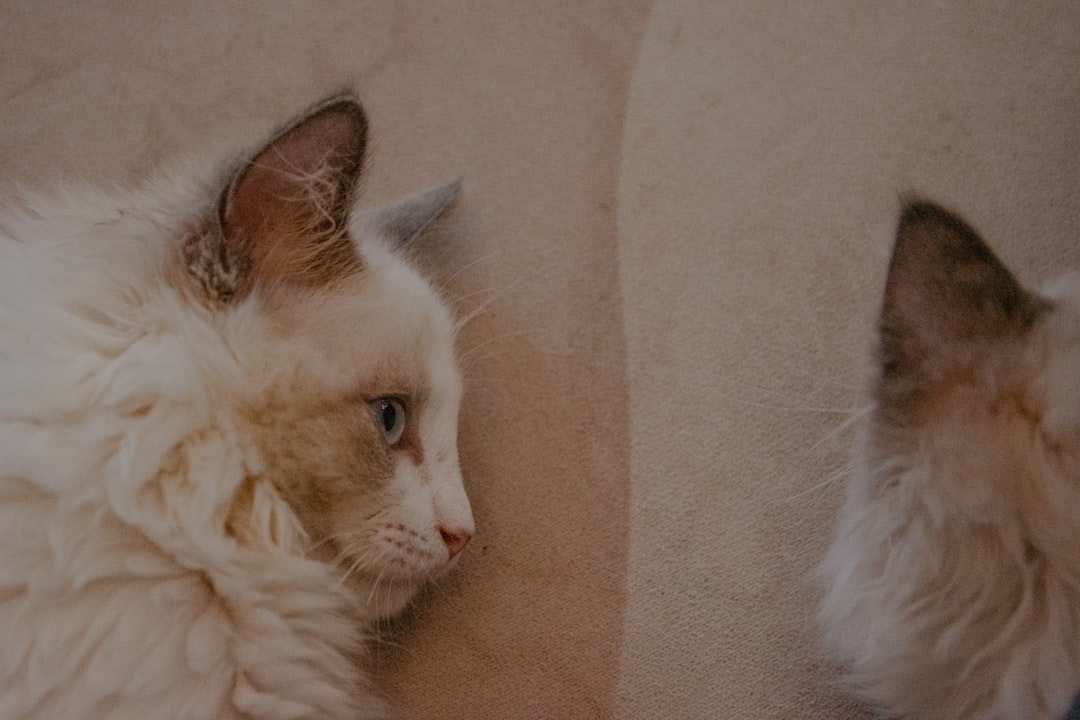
199	515
954	578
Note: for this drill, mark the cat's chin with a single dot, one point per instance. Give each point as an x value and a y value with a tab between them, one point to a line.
385	592
385	596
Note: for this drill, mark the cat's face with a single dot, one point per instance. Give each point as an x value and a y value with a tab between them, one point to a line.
352	390
363	436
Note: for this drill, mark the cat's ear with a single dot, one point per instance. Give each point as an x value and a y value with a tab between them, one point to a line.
283	216
402	221
949	302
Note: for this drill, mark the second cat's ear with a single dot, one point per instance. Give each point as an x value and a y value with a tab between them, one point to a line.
404	220
949	302
283	216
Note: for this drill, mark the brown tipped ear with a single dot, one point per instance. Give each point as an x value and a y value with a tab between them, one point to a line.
283	216
949	302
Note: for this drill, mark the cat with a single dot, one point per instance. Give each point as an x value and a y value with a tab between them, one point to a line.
228	437
953	581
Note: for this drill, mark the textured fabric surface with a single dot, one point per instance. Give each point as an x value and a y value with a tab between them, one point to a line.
676	219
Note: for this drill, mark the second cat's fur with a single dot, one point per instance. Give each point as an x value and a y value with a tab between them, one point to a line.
954	578
228	415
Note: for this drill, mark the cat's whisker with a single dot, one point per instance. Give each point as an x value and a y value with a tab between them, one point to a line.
465	268
464	357
855	417
487	380
348	573
372	599
384	638
790	401
795	408
837	476
358	558
498	293
469	295
318	545
532	334
390	594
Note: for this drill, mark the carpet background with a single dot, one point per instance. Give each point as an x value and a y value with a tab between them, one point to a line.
678	215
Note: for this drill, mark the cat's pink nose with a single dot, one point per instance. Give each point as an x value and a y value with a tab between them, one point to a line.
455	538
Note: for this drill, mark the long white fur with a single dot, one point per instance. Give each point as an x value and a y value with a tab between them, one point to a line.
121	593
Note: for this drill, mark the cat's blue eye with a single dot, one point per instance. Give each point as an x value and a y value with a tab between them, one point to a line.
390	415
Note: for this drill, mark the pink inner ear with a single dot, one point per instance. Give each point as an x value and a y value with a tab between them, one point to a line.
286	205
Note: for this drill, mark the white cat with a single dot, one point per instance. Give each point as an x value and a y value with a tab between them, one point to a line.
228	416
954	578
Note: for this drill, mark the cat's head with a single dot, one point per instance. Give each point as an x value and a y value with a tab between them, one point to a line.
350	390
978	399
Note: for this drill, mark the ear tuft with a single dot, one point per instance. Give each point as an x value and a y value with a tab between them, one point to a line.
283	216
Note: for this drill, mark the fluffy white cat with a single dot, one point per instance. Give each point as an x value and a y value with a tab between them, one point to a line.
954	578
228	413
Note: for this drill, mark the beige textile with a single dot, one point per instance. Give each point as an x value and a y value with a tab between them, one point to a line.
678	215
